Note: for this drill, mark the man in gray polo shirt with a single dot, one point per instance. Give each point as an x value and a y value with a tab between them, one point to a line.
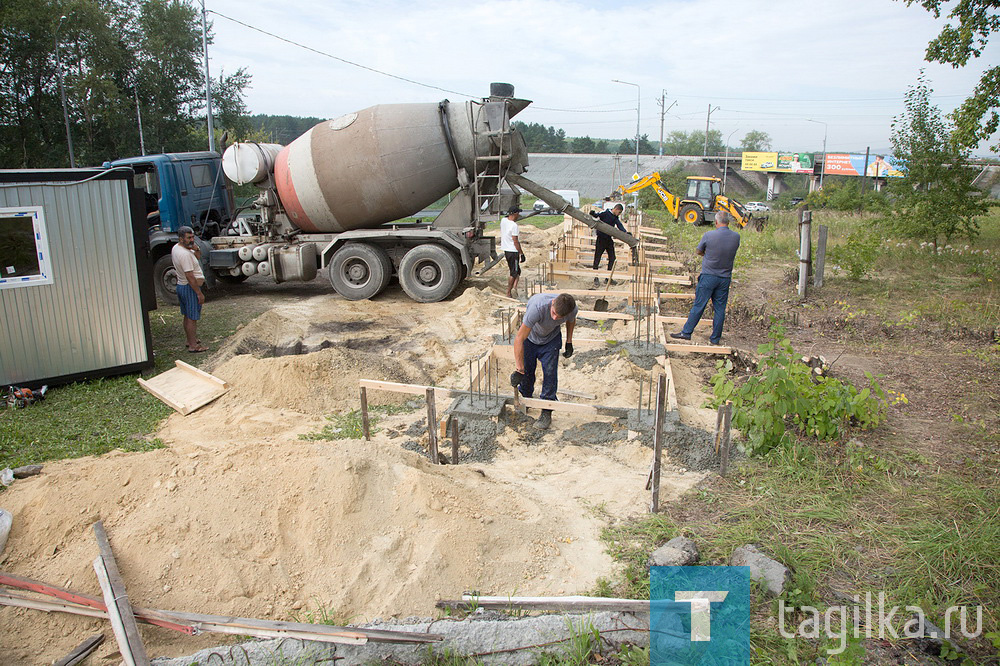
718	247
539	339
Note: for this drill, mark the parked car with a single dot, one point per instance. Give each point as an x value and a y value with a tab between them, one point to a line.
757	207
572	196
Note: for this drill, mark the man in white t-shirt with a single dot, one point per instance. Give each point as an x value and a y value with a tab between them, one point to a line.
510	245
186	256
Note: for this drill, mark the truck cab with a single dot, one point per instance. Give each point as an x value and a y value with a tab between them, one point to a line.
180	189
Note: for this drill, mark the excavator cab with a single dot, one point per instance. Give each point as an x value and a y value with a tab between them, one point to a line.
704	191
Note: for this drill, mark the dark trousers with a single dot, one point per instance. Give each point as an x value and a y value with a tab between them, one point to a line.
548	354
712	287
604	244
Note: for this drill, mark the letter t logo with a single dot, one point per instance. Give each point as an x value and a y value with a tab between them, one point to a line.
701	611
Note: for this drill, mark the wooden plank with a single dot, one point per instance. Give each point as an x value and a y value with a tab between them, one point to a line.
454	441
699	349
577	394
81	651
594	315
657	279
600	293
122	635
185	388
201	374
116	600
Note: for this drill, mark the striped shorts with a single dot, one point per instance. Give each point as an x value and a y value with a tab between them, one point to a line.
190	307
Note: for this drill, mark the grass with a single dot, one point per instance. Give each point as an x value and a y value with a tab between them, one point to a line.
348	425
92	418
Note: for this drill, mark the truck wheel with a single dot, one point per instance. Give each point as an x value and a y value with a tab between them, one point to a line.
165	280
428	273
359	271
691	214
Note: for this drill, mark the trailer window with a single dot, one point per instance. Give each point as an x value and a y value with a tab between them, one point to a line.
24	248
201	175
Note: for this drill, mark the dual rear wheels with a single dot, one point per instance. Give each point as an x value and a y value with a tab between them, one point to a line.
428	273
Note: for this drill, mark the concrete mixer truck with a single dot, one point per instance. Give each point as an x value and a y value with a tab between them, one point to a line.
333	199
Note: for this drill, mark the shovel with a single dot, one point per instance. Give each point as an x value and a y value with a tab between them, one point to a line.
602	303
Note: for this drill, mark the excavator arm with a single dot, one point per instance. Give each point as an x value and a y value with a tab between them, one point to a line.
735	209
670	200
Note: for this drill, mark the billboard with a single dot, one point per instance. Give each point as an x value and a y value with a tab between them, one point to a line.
850	164
779	162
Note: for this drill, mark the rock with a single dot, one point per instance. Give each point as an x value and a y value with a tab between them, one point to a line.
678	552
772	573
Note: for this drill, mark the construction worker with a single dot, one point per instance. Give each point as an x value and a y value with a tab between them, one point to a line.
539	339
606	243
718	248
510	245
186	257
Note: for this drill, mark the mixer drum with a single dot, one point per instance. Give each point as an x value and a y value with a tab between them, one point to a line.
378	165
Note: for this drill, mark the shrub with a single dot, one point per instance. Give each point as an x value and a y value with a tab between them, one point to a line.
858	255
785	396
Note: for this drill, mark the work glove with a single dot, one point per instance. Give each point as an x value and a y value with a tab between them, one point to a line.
523	258
569	350
516	378
593	213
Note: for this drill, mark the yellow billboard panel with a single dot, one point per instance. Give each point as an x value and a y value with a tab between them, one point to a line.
759	162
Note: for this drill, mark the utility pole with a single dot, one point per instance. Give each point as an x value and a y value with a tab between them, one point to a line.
708	121
663	112
208	79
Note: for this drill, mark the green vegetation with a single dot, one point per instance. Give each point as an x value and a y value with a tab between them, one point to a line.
785	392
113	57
91	418
348	425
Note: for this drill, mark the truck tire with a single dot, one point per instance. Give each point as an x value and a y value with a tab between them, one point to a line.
165	280
359	271
429	273
691	214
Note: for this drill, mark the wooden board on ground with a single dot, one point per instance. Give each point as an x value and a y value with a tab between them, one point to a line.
657	278
185	388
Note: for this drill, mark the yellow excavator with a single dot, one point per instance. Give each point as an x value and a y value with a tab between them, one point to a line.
704	196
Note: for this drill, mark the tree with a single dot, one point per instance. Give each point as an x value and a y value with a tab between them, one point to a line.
542	139
935	200
582	145
755	141
977	119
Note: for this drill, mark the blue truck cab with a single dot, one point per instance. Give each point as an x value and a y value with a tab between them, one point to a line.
180	189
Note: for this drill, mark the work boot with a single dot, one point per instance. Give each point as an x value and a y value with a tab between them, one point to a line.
597	282
680	336
545	420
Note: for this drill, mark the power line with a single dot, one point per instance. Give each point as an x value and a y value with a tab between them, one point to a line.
343	60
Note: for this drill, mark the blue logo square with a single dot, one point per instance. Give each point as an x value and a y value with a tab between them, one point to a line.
700	615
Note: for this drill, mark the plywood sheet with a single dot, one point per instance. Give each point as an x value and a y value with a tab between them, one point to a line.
185	388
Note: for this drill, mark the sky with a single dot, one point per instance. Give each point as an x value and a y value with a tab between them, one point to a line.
801	70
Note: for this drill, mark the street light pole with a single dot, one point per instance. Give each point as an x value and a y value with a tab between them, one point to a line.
62	96
208	79
823	170
725	169
638	90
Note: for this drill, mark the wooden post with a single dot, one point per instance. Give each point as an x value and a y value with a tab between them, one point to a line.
820	255
718	426
365	427
726	437
454	441
432	436
661	394
805	242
